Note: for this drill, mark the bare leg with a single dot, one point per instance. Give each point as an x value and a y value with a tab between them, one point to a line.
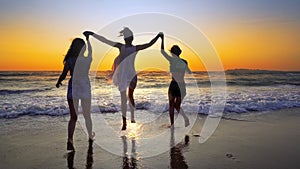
124	108
86	111
171	109
72	122
131	104
180	111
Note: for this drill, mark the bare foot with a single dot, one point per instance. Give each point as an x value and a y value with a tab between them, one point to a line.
91	138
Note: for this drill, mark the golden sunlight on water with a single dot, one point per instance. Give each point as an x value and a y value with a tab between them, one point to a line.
134	130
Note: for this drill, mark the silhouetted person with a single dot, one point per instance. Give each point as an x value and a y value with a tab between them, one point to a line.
79	85
177	89
124	74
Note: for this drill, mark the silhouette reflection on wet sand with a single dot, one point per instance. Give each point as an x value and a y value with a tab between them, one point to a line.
177	160
70	159
132	162
89	158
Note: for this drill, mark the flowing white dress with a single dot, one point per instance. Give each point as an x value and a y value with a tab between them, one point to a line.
125	70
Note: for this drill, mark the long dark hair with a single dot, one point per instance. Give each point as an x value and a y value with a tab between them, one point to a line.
75	48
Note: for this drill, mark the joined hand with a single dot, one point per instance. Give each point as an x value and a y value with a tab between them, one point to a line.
161	34
87	33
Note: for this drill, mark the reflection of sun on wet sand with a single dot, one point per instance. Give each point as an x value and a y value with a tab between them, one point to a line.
134	130
148	124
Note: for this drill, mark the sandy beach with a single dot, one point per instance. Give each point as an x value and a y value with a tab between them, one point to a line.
250	140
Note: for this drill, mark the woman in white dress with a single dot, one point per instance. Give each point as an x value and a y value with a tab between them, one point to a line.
124	74
79	87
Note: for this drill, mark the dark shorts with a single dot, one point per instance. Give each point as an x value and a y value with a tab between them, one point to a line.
177	89
133	82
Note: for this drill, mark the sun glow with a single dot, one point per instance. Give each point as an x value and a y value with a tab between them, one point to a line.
36	36
134	130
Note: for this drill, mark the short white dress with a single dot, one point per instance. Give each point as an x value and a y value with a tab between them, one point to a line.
81	86
124	73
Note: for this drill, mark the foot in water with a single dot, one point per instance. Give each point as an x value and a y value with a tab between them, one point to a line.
91	138
70	146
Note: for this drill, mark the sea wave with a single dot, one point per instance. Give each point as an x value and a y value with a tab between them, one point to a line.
15	112
7	92
36	95
203	108
248	107
10	111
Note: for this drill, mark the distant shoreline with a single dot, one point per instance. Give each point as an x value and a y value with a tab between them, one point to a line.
199	71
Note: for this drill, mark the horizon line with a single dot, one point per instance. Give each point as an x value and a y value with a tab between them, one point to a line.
156	70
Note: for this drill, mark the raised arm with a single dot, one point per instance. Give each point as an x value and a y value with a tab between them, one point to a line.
89	46
147	45
162	48
103	39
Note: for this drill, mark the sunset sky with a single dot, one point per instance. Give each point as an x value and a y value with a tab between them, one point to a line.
257	34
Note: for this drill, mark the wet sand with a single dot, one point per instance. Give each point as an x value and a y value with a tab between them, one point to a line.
256	140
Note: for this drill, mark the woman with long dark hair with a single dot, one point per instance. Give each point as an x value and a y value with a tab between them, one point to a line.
79	87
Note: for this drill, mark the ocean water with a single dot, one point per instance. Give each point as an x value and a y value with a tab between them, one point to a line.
248	91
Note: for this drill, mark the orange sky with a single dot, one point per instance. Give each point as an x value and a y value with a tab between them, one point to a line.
40	42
